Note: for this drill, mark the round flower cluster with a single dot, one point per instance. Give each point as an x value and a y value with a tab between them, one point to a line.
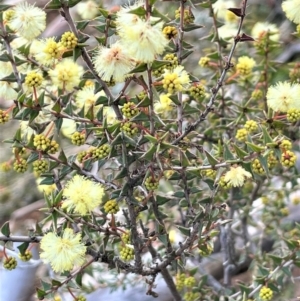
78	138
129	128
257	94
179	279
26	257
224	184
111	206
293	115
203	62
272	160
197	91
189	281
245	65
40	166
241	134
82	155
257	167
288	158
285	145
265	294
126	237
130	110
170	32
127	253
191	296
101	152
33	79
251	126
151	183
173	62
69	40
188	16
283	97
20	165
175	80
209	173
4	117
44	144
10	263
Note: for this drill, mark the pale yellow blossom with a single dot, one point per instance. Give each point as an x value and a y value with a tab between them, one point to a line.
63	252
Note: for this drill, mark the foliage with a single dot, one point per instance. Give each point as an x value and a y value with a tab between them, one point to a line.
160	148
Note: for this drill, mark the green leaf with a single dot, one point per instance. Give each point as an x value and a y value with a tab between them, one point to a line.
191	27
211	159
102	100
164	239
158	64
122	174
62	157
23	247
4	57
161	200
184	160
4	7
151	139
72	3
140	68
25	49
58	197
32	157
140	11
40	293
145	102
5	229
103	12
266	137
228	155
158	14
53	4
254	148
10	78
240	153
184	231
81	25
57	107
148	156
179	194
185	54
141	116
47	181
78	279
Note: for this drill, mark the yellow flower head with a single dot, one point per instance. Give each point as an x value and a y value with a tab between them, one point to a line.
128	19
113	62
175	80
63	252
164	104
221	9
87	10
83	195
48	51
236	176
27	20
143	41
292	10
86	97
245	65
260	29
283	97
66	75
